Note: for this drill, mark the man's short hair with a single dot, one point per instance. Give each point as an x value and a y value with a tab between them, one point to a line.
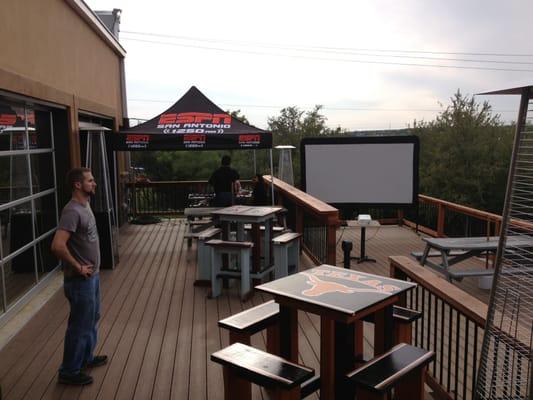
76	175
226	160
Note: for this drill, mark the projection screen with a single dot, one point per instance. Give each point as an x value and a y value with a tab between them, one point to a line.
357	171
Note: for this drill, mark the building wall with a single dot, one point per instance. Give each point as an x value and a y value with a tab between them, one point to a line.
57	64
49	52
47	44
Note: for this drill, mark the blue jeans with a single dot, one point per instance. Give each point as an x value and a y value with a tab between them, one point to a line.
80	337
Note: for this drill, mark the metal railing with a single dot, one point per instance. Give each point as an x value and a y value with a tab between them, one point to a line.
164	197
452	326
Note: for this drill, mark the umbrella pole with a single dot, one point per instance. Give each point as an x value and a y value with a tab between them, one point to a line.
272	177
255	164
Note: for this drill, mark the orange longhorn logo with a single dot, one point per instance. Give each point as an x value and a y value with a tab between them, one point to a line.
321	287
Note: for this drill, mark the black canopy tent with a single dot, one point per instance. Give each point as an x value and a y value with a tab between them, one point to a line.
193	123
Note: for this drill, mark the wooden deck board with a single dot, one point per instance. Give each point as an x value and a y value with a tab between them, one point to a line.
158	329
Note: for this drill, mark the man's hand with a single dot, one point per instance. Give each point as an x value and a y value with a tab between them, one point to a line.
86	271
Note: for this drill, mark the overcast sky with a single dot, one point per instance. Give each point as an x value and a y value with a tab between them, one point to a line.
359	59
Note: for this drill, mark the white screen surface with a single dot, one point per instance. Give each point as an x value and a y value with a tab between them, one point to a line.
364	173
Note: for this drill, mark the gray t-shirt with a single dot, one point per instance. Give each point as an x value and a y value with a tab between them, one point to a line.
83	243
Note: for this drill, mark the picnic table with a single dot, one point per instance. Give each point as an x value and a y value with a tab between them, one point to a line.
340	297
454	250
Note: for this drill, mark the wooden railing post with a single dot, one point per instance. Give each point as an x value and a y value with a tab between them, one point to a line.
299	220
440	220
331	239
400	217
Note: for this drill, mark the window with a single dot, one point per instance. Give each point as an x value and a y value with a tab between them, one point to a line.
28	198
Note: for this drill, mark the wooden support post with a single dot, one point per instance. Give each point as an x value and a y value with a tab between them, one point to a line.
412	386
400	217
281	394
236	387
440	220
403	332
331	240
273	340
299	220
365	394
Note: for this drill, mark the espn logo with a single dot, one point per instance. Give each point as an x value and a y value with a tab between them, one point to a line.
8	119
194	117
137	138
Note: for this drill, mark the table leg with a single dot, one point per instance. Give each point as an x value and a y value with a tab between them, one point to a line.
256	251
362	255
425	254
327	358
345	355
240	231
288	332
383	330
268	242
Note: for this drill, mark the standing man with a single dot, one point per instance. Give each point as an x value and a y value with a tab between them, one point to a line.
225	181
77	245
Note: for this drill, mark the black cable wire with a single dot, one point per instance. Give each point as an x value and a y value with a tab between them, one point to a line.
325	48
333	59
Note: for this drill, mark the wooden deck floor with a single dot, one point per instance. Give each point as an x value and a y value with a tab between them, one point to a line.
157	328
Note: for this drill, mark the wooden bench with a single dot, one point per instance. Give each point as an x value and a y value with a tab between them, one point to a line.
203	271
243	325
433	253
244	251
460	274
192	230
403	320
244	364
403	323
286	253
402	368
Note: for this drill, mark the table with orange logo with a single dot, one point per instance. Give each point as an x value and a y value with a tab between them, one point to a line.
341	297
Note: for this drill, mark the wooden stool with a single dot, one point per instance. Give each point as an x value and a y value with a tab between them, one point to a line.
286	252
244	252
203	272
402	368
403	323
243	325
244	364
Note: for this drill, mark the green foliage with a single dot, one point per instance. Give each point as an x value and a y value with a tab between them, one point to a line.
465	154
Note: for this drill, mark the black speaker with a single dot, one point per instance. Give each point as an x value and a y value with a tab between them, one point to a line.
103	222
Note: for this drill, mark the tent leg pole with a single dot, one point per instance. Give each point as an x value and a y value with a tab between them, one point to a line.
272	177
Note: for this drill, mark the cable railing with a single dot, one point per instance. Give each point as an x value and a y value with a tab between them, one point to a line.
441	218
452	325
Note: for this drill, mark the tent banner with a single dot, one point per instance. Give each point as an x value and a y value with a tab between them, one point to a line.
189	141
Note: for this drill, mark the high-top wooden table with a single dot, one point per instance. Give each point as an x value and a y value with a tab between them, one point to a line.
341	297
254	216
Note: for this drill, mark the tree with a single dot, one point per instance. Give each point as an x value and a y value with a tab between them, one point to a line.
465	154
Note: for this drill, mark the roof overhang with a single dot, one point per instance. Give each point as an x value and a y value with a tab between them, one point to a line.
84	11
518	89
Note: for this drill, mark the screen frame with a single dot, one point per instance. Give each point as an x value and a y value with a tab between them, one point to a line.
407	139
